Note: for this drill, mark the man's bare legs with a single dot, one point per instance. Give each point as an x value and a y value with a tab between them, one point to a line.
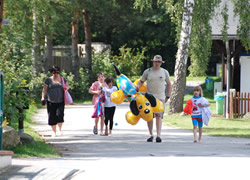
158	129
150	127
158	125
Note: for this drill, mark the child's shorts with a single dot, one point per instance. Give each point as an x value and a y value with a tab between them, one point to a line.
196	122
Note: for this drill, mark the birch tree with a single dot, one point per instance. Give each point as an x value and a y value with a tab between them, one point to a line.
178	88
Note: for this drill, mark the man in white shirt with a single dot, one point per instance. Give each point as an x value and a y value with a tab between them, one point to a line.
157	79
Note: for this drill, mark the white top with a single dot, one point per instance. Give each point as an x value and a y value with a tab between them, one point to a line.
107	92
196	109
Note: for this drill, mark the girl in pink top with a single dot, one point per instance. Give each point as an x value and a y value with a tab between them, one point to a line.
96	90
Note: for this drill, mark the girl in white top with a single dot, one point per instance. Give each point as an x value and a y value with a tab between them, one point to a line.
109	106
198	105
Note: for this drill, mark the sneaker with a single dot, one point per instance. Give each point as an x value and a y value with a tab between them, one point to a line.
150	139
95	131
158	139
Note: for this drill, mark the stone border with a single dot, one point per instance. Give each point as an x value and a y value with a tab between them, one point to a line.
6	160
6	153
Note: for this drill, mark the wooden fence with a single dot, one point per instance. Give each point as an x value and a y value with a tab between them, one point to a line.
239	104
64	62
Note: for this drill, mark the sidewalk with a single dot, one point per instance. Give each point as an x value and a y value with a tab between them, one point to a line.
127	155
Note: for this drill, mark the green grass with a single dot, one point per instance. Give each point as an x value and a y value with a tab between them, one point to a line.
218	125
89	101
41	149
201	78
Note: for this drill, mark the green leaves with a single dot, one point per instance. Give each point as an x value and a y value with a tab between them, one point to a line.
201	37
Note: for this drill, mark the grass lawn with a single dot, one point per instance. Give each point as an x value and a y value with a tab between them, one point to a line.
218	125
41	149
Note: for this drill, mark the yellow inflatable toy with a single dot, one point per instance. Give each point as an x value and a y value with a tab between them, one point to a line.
143	88
141	105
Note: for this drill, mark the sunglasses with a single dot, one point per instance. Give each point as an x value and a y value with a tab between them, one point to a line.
56	72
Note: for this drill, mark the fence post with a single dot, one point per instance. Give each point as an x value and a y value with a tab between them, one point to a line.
1	108
231	105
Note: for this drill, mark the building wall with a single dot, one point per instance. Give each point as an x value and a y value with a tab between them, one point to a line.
245	73
217	21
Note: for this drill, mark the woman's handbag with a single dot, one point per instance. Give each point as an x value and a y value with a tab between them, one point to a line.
67	97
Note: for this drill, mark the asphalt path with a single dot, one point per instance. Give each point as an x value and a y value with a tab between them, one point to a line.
127	155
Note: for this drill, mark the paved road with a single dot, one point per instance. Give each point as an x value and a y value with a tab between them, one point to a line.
127	155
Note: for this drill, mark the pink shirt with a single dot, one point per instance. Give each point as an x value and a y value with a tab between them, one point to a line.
94	87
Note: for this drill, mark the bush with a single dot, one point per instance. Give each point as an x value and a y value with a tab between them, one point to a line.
130	61
78	88
17	73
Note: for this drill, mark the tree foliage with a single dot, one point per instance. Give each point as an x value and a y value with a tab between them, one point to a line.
201	37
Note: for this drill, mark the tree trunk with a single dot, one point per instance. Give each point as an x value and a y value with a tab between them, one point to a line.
74	48
48	52
48	44
1	13
88	49
36	45
179	85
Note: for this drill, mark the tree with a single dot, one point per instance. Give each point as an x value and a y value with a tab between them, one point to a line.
177	93
88	50
48	47
75	38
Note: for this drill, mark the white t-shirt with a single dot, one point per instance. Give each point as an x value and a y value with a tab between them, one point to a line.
107	92
197	111
156	81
